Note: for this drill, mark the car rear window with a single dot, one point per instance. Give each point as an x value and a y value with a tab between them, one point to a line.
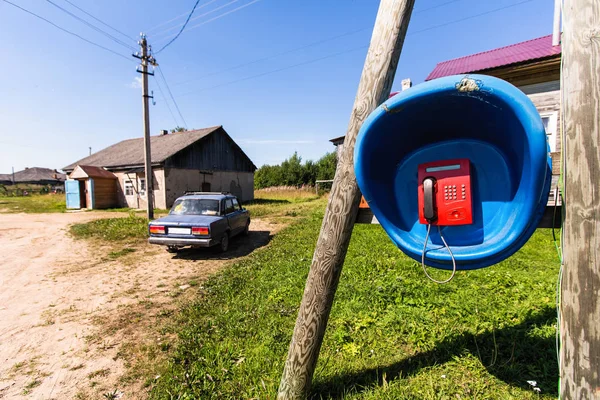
195	207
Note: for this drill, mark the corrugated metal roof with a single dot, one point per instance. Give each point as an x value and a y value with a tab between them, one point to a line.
516	53
131	152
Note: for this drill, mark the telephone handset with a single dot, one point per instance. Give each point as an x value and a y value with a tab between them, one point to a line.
445	192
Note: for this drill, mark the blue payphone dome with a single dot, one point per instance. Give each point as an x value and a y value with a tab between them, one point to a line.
480	118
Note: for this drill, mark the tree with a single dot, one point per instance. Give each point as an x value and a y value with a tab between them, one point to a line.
292	172
178	129
326	166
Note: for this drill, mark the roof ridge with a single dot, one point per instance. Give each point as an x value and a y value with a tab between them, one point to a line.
493	50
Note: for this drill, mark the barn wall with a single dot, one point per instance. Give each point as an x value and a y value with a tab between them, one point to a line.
178	181
105	193
137	200
216	152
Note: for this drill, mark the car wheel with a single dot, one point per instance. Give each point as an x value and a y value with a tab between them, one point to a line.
224	243
247	229
172	249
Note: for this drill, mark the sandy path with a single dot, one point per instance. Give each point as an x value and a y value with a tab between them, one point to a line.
67	310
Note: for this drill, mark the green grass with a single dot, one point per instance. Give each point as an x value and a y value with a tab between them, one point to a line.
112	229
33	204
113	255
136	226
392	334
275	203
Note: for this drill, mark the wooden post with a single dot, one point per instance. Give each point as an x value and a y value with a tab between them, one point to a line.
374	88
580	290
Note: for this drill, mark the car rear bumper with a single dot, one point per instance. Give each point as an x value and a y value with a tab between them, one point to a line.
167	241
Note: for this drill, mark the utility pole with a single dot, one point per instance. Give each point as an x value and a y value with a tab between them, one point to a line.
90	150
146	58
580	286
374	88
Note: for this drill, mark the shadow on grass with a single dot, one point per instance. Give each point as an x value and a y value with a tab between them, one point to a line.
511	354
239	246
266	201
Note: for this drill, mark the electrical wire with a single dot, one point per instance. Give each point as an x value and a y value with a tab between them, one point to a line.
108	35
182	28
171	94
276	70
67	31
306	46
99	20
177	17
273	56
161	33
218	16
166	101
342	52
449	251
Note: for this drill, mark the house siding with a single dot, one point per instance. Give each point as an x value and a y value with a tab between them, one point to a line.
549	102
179	180
137	200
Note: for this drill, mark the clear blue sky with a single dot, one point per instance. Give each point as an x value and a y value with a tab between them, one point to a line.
61	95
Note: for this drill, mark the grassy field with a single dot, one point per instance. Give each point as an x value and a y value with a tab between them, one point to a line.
281	205
392	334
33	204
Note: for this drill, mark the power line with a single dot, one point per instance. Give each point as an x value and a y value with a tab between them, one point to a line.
166	101
171	94
108	35
273	56
67	31
99	20
318	42
224	14
182	28
277	70
177	17
352	49
221	15
193	19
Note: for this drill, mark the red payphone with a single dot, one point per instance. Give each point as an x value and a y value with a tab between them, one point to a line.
445	193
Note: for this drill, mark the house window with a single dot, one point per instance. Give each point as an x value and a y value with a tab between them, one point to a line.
551	127
128	188
142	186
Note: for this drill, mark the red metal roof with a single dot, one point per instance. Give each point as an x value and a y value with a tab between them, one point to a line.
516	53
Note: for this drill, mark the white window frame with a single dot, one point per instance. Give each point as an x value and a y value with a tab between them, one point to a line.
128	184
142	187
552	130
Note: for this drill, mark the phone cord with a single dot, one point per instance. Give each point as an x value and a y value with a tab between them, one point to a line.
449	251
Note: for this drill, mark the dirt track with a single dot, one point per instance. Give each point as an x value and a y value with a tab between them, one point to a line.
69	313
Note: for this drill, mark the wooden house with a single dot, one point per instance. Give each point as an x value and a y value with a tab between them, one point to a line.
199	160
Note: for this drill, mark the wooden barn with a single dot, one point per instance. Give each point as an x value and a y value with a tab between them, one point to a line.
91	187
199	160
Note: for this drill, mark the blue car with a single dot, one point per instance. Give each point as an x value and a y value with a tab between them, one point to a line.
200	219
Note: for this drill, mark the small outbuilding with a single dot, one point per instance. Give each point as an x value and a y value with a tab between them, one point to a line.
91	187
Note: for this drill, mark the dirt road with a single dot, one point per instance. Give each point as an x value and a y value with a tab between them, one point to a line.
73	316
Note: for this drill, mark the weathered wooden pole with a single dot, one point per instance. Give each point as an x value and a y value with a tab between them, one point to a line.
374	88
580	290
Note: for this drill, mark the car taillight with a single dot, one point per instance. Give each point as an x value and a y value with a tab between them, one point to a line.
199	230
157	229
